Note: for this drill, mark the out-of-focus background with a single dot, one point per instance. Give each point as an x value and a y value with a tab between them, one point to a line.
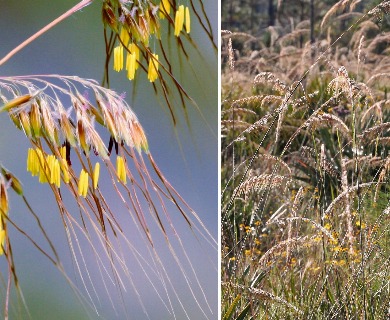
187	155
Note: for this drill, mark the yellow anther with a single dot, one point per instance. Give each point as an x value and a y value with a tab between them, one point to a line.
121	169
153	68
83	183
96	172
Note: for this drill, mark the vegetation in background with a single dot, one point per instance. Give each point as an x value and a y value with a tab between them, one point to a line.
78	128
305	162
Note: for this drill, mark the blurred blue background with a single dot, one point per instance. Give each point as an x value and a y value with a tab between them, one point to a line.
187	155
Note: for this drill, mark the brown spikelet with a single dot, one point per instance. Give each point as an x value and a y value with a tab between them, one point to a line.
369	161
294	213
360	49
378	76
259	125
374	132
347	206
375	110
293	36
231	54
270	100
261	182
381	177
239	35
354	4
235	124
320	119
341	196
238	111
267	78
275	251
379	40
338	7
271	161
382	7
251	100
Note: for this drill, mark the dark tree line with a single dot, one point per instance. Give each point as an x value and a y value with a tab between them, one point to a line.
254	16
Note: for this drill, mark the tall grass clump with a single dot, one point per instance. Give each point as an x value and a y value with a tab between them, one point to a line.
305	168
90	151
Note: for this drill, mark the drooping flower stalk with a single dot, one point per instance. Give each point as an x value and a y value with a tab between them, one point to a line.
65	142
68	135
67	14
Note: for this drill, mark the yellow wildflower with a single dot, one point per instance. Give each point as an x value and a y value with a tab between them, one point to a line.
121	169
96	172
153	68
83	183
340	263
247	252
318	238
328	226
337	249
362	226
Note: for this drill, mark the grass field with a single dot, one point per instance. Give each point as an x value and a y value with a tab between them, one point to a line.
305	168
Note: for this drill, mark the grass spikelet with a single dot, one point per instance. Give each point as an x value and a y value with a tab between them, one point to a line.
231	54
339	6
321	119
261	182
268	79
